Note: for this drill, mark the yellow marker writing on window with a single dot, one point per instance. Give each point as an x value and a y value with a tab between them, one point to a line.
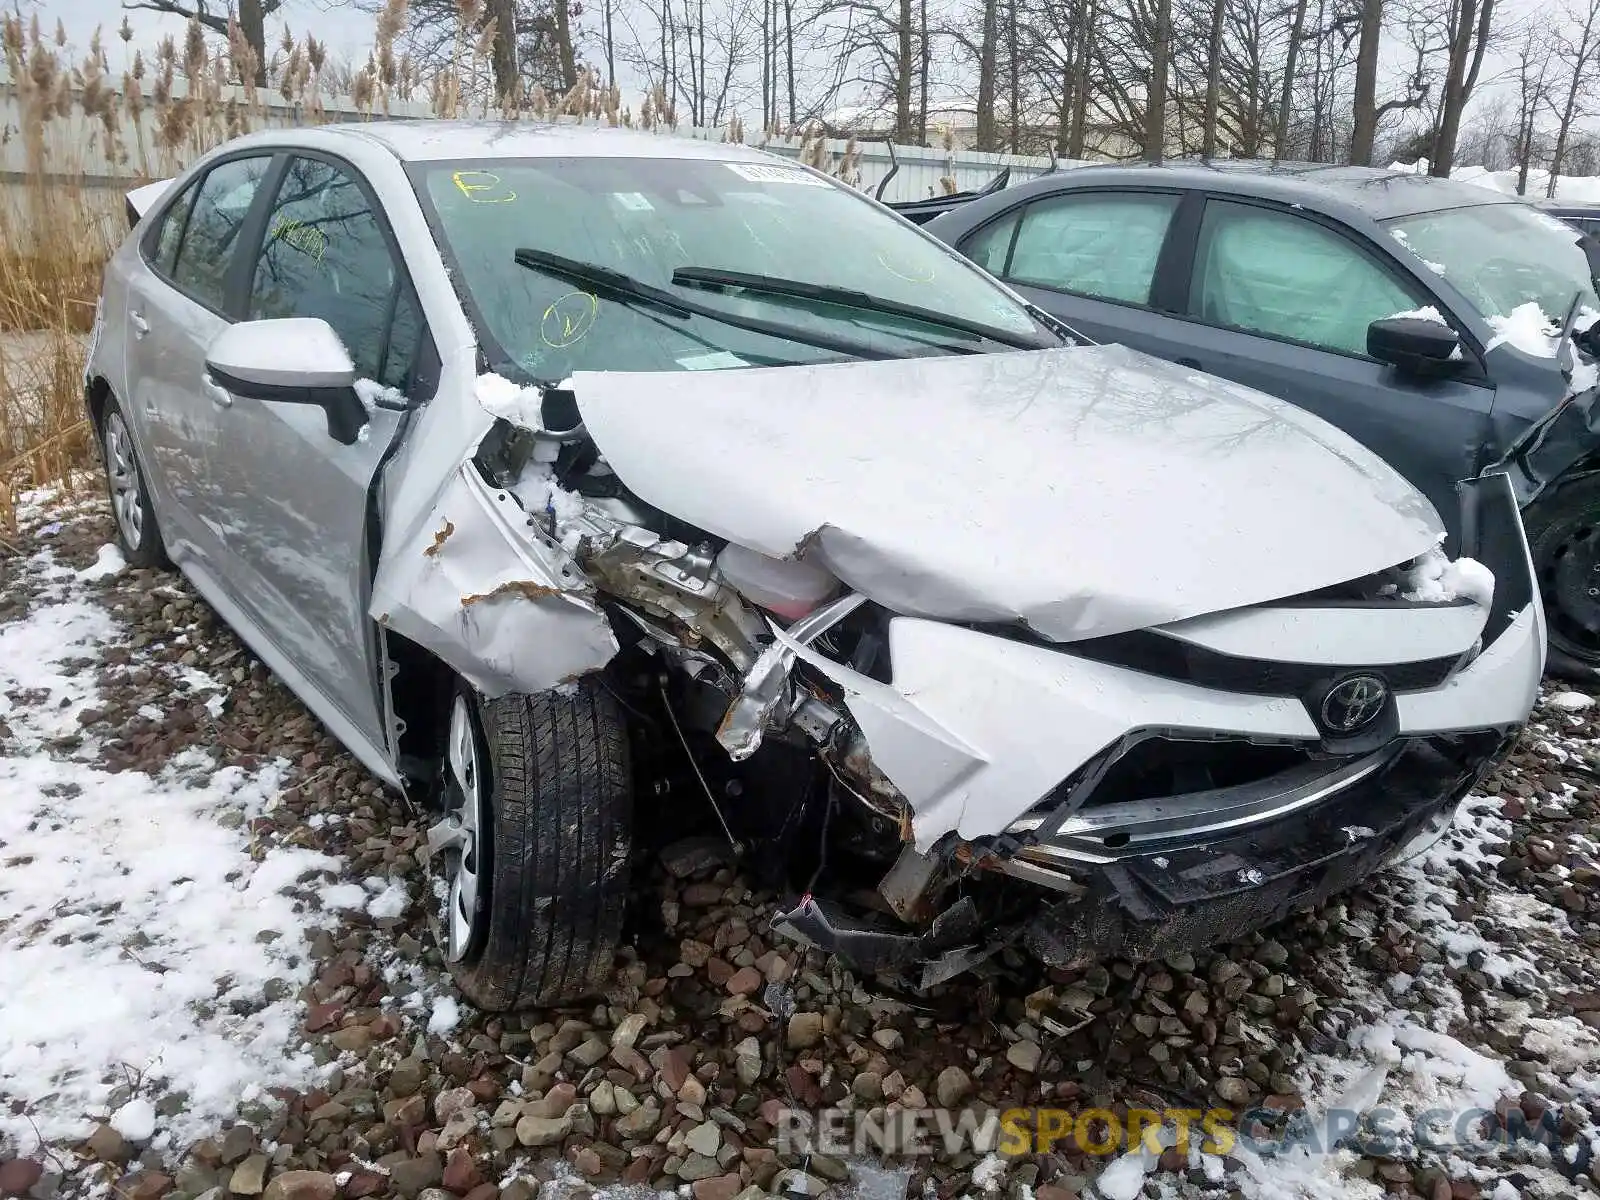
482	187
568	319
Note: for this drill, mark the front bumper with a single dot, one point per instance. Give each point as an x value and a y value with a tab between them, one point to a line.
1188	896
972	722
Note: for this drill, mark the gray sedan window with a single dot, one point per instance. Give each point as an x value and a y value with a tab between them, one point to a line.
1103	244
1289	277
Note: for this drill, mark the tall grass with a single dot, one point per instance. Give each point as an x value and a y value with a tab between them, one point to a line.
82	125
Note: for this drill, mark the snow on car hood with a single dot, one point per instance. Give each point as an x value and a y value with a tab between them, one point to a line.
1083	491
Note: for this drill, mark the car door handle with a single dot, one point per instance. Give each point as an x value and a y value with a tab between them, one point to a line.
140	325
219	395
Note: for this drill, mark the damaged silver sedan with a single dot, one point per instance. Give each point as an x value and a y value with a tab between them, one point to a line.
591	486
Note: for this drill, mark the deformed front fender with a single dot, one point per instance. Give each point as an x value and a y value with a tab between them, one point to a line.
1549	449
509	611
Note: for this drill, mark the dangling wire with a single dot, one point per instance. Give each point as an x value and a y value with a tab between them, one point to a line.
666	702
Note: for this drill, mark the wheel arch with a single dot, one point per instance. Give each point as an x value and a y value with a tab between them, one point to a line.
97	395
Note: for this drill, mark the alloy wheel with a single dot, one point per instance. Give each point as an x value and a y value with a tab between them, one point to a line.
122	475
455	842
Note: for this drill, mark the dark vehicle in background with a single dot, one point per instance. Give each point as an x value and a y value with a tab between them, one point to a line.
1423	317
1585	218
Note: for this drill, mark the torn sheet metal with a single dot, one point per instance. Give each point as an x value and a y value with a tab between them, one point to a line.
1551	447
976	729
766	686
476	586
1084	491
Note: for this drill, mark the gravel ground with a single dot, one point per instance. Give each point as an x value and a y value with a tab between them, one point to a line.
217	976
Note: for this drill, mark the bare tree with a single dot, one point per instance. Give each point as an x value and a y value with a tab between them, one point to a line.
251	15
1280	135
1155	105
1575	46
1208	136
1533	95
1469	23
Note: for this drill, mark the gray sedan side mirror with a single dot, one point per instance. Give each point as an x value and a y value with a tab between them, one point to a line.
1415	345
290	360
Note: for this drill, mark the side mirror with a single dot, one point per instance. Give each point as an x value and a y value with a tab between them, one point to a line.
1415	345
291	360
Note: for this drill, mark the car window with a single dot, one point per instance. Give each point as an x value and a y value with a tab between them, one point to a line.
991	245
1502	257
650	217
324	255
164	255
1287	276
208	241
1102	244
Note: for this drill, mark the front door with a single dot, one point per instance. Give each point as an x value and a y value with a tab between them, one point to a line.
1281	301
295	500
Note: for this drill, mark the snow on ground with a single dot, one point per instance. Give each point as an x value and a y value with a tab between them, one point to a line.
1579	189
141	931
154	925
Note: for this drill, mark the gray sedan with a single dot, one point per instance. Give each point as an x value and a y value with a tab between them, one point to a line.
1442	324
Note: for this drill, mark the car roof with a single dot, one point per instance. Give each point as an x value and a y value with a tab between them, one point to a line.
430	140
1377	192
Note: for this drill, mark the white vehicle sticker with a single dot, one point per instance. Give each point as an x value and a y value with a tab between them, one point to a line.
717	360
636	201
774	173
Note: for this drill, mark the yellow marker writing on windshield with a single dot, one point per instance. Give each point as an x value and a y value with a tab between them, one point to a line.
473	184
567	319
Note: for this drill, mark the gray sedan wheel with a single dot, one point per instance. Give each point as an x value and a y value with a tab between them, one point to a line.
131	508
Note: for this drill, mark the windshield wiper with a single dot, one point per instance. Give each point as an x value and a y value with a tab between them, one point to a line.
851	298
625	289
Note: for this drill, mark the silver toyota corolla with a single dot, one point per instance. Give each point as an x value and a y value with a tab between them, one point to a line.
593	486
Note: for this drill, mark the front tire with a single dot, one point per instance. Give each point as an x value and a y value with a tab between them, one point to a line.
535	844
132	511
1564	537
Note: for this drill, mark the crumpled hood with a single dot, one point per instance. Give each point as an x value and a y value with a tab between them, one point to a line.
1084	491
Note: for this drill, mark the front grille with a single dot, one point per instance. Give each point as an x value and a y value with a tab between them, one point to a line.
1110	824
1160	654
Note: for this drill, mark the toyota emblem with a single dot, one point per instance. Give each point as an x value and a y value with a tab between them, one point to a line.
1354	703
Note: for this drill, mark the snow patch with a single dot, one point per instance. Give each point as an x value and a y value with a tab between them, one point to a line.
499	397
139	926
1526	328
1569	701
1435	578
390	902
373	394
107	562
446	1015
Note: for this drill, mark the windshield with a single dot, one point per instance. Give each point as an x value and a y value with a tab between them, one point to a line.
648	217
1502	257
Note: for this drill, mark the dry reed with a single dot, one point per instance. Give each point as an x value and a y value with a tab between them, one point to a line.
88	134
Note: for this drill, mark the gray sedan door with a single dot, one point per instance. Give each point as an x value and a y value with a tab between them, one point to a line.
1281	301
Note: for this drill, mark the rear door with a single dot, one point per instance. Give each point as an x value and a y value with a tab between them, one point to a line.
1280	299
177	303
300	565
1094	258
